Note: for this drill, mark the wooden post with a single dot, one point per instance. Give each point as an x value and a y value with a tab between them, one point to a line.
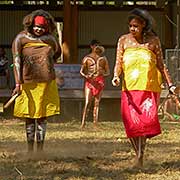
168	28
74	33
67	31
178	24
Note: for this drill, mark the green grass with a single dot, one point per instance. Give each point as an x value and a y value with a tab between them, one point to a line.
73	154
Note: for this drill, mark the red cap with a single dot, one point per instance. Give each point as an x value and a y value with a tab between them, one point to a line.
40	20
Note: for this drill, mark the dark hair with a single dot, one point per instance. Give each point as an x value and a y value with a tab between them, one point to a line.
29	20
94	42
143	15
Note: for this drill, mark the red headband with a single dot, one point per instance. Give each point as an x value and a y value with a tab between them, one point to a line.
40	20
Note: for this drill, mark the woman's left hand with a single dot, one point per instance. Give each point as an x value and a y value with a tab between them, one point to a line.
172	89
116	81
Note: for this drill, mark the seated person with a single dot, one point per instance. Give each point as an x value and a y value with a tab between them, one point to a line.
4	72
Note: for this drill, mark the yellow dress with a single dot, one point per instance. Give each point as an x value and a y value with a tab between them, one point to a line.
37	100
140	71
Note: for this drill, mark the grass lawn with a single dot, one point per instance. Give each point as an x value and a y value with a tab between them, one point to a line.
73	154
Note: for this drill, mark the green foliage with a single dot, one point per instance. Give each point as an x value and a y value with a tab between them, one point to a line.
6	2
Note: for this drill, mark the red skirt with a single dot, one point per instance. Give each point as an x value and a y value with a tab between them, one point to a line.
95	85
140	113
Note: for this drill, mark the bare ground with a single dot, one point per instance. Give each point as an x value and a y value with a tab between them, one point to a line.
73	154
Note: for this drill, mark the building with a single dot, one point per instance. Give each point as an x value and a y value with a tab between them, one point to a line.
80	21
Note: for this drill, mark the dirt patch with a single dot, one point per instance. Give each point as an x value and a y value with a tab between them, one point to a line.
72	154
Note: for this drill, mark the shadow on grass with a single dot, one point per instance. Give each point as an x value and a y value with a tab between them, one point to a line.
77	160
71	154
175	165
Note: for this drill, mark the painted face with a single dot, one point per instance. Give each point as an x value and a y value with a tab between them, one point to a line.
99	50
93	47
39	30
136	27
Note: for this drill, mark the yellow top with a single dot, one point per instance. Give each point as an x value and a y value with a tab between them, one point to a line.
140	71
35	44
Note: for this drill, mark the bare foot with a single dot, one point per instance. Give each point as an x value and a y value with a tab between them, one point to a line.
96	127
139	162
82	126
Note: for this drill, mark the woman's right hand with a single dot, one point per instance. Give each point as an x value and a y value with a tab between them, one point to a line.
116	81
17	90
89	76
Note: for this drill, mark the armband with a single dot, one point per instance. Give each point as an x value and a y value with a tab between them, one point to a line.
18	85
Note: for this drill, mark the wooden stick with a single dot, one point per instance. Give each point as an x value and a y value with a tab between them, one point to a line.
18	171
10	101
